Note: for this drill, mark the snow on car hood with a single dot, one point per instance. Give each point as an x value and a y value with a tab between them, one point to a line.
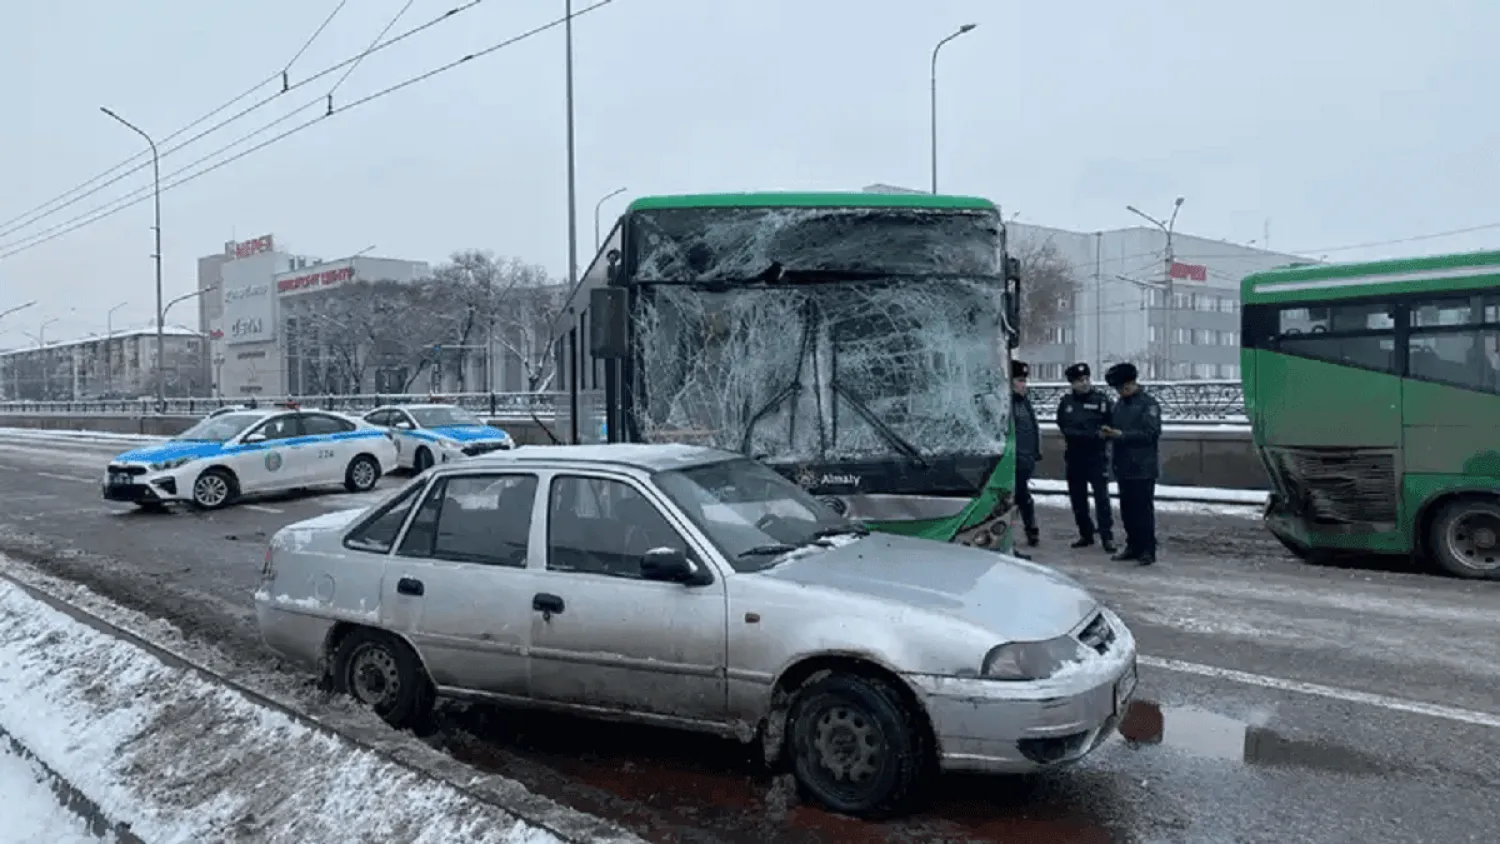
470	433
171	450
1015	599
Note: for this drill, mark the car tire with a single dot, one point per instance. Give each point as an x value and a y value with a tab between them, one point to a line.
421	461
836	717
1465	538
213	489
363	474
382	672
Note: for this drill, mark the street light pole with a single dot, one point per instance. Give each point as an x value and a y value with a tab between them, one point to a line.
597	206
1167	228
161	363
161	387
41	340
109	337
572	180
968	27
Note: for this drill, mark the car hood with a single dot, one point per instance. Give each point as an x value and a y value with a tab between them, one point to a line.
469	433
1014	599
171	450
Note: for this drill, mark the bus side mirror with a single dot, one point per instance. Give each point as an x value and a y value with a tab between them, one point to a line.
609	323
1013	300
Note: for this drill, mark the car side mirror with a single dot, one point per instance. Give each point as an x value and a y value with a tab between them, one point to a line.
669	565
403	425
256	437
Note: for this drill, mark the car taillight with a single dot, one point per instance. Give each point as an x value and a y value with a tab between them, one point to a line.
269	569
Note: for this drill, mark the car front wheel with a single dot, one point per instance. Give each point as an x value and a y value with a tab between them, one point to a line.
362	475
213	489
421	461
857	746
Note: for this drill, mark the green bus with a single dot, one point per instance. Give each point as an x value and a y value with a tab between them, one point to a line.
859	343
1373	391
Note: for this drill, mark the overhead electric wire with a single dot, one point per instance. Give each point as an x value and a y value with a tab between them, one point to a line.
145	193
32	217
281	75
373	42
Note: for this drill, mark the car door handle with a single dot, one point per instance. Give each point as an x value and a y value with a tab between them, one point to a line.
410	586
547	603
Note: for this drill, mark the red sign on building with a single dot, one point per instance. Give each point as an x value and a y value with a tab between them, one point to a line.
1189	272
322	279
246	248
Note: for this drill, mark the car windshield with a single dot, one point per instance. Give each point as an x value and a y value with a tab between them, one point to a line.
219	429
752	514
442	417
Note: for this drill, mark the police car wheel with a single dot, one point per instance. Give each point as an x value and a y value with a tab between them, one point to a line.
421	461
213	489
362	475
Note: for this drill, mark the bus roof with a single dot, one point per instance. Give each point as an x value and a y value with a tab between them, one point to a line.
848	199
1394	276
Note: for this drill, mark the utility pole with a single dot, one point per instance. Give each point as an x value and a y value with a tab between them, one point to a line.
572	177
161	375
1098	302
968	27
1167	283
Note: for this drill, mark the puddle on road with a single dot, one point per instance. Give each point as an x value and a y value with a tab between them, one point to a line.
1211	735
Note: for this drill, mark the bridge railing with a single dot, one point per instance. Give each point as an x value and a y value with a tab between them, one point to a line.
1181	401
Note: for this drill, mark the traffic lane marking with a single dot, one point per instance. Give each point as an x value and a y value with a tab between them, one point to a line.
56	476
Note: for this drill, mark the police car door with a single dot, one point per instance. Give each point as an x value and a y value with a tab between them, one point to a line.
402	426
326	458
269	455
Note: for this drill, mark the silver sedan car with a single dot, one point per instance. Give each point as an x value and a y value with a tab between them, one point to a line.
694	588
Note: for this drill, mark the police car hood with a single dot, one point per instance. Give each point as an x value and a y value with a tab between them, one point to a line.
469	433
171	450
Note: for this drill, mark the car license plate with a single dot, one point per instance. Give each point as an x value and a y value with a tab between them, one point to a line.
1124	688
119	479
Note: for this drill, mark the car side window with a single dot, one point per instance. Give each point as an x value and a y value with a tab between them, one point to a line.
321	424
485	519
379	417
604	526
278	428
378	533
402	420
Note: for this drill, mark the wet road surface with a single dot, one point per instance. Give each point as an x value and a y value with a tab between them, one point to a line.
1278	701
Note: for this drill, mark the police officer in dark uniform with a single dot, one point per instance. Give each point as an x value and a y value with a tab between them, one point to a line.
1028	448
1134	430
1080	414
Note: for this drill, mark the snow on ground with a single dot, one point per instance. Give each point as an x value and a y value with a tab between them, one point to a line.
1205	494
32	813
1195	508
184	759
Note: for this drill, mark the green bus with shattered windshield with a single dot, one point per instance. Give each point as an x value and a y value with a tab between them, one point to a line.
1373	392
859	343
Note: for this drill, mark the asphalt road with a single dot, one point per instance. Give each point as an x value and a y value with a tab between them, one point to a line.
1278	701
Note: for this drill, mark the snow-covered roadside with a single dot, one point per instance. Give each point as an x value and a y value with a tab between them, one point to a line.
1195	508
1202	494
32	812
59	434
184	759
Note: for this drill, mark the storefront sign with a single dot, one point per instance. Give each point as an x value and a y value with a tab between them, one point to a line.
318	279
246	248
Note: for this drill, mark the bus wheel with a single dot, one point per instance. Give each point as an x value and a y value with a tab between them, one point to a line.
1465	538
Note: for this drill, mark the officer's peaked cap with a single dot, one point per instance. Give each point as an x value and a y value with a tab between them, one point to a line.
1020	369
1076	371
1121	374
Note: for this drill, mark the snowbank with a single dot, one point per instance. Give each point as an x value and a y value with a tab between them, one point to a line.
68	435
184	759
32	813
1203	494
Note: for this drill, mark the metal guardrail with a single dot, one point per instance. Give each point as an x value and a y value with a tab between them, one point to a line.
1181	401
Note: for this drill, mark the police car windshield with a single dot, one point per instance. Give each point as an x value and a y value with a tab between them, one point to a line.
442	417
219	428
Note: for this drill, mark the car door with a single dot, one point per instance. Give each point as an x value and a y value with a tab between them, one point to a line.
603	636
266	458
325	455
459	586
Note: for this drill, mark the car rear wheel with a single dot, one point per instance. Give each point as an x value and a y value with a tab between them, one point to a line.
362	475
421	461
857	746
381	672
213	489
1465	538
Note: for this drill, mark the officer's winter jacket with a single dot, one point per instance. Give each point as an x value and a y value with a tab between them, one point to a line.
1028	434
1080	417
1136	456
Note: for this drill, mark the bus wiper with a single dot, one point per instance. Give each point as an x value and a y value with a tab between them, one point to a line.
892	438
841	530
767	550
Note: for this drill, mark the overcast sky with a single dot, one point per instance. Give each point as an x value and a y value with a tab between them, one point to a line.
1341	121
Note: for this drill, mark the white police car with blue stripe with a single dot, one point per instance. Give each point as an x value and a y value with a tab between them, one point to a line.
252	452
437	433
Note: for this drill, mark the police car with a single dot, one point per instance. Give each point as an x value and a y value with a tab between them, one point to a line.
251	452
437	433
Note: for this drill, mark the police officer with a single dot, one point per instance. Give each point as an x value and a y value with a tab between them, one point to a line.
1028	448
1134	430
1080	414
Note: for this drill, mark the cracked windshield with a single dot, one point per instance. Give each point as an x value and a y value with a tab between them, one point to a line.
616	421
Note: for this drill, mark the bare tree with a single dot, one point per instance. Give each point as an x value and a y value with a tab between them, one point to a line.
1048	288
497	302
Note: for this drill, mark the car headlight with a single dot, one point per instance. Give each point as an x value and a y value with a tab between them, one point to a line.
447	443
167	465
1031	660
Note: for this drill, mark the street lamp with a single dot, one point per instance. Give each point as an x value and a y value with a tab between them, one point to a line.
572	181
41	341
968	27
7	313
109	338
1167	228
600	204
161	364
161	395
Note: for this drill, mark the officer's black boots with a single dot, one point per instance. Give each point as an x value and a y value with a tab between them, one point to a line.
1033	536
1109	546
1145	559
1126	556
1083	542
